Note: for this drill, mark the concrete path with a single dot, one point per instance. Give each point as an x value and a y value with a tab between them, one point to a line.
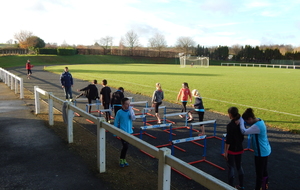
33	156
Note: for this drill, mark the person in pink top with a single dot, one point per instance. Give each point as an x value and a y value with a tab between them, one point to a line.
184	94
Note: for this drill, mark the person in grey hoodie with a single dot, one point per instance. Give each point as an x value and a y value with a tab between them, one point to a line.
158	96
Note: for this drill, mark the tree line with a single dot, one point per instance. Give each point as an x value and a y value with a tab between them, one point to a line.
130	44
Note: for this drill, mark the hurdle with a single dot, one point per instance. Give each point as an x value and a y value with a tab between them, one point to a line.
199	123
249	144
98	104
144	128
140	102
215	130
142	131
146	112
75	104
204	149
177	114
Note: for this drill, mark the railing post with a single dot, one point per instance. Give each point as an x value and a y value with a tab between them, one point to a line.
101	162
16	86
70	114
50	109
164	170
21	88
36	100
11	82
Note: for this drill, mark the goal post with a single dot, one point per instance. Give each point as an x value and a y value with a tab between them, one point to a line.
193	61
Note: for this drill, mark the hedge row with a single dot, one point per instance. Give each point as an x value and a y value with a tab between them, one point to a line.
58	51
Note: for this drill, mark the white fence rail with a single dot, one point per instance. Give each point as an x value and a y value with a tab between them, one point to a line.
13	81
261	65
166	160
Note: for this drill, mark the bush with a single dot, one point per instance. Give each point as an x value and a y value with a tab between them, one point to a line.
48	51
66	51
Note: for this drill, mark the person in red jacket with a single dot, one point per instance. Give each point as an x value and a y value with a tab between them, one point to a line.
28	68
183	95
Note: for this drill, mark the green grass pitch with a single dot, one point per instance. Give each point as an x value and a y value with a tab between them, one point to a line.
273	93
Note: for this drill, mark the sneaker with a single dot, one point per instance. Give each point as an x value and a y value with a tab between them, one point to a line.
125	162
71	100
180	116
122	163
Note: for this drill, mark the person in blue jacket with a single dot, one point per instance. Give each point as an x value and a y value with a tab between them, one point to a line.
260	145
123	120
66	81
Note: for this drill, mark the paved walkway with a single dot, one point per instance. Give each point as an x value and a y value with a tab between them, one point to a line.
33	156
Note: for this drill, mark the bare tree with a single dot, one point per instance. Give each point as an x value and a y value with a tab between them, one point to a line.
131	40
10	41
185	44
235	49
105	43
22	37
158	42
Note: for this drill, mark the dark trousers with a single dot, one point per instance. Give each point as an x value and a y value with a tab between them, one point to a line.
68	92
200	114
124	149
261	164
107	114
116	109
183	106
235	160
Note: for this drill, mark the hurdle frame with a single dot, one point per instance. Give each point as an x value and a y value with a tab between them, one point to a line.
139	102
215	131
142	128
189	139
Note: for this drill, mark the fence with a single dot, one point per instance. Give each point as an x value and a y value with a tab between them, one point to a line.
166	160
12	81
13	51
261	65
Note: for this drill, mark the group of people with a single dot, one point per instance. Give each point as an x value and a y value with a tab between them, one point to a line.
124	116
234	147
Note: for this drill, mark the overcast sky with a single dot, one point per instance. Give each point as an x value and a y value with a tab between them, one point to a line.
208	22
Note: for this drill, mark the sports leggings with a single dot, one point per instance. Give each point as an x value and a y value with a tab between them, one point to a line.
261	164
235	160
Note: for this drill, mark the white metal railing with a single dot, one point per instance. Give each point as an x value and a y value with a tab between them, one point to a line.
166	160
261	65
12	81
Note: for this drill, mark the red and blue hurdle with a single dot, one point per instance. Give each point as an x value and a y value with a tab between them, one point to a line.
215	129
146	112
142	131
139	102
177	114
199	123
249	144
204	149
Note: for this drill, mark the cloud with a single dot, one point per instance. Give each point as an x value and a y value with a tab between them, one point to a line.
225	33
258	4
219	25
217	6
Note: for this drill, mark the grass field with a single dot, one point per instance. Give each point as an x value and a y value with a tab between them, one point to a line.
273	93
15	61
